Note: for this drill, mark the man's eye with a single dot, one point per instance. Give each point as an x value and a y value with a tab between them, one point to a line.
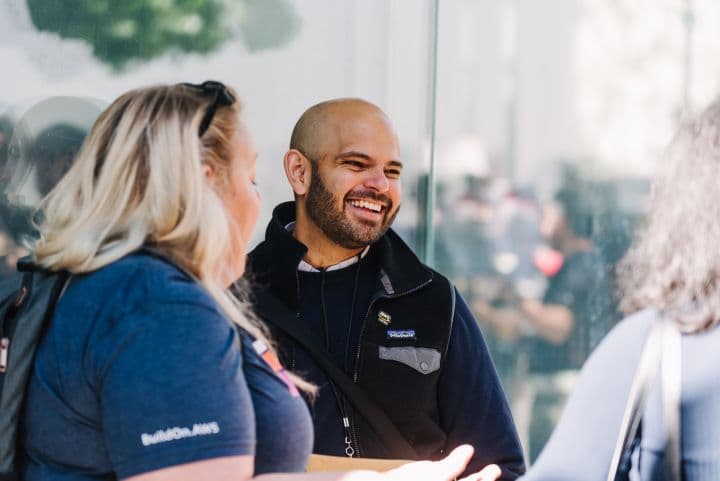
355	164
393	173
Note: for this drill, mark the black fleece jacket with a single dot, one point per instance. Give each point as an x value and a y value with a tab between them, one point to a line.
428	367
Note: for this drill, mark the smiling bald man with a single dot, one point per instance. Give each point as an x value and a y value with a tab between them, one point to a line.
398	329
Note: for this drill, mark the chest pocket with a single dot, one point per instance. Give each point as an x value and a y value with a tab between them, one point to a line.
422	359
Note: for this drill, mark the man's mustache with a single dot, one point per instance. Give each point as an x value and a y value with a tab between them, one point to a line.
370	195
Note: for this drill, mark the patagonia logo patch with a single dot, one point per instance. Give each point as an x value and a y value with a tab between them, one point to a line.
401	334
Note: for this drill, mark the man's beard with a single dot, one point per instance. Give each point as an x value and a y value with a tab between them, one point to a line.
321	207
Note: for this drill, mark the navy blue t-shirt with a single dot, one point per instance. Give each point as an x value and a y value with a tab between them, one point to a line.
139	370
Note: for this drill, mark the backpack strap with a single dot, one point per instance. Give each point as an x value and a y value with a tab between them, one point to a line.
661	352
670	380
26	313
277	314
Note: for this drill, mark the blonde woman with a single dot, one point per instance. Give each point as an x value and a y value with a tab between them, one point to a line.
673	269
142	374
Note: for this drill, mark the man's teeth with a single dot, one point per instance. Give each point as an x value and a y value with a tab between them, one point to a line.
366	205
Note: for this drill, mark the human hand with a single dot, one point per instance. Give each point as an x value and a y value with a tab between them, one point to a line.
446	469
491	472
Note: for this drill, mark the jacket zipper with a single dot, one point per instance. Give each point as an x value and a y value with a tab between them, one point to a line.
362	328
353	437
350	451
4	350
352	447
357	352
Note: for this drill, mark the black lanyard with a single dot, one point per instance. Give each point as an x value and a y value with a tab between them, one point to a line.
340	400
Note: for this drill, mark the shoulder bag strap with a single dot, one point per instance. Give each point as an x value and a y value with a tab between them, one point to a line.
671	385
276	313
660	351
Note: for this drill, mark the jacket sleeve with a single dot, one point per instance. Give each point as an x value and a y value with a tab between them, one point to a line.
473	407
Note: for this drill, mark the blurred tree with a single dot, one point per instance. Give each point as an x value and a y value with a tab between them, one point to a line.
267	24
126	30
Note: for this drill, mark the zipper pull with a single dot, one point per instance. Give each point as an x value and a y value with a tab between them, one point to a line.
4	348
21	297
349	450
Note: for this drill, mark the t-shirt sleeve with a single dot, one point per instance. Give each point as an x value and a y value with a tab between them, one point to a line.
172	389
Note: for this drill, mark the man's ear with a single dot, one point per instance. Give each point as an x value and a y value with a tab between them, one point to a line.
298	171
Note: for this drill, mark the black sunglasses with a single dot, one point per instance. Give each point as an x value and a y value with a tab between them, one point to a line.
221	97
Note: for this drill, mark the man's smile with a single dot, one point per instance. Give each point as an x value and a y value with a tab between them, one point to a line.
367	204
366	211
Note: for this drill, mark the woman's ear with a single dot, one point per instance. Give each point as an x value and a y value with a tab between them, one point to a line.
211	176
298	171
208	171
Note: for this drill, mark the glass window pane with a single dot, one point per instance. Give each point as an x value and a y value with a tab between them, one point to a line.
551	116
62	65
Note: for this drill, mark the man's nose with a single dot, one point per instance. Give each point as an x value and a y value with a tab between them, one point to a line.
377	180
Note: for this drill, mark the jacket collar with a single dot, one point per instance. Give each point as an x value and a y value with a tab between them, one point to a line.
273	263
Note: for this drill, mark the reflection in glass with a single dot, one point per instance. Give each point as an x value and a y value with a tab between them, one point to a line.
550	121
139	30
37	149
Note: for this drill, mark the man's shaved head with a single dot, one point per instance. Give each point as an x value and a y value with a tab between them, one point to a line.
344	164
322	124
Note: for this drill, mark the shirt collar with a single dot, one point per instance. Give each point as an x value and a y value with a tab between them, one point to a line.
304	266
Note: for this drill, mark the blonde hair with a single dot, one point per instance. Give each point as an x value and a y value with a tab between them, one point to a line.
675	263
138	180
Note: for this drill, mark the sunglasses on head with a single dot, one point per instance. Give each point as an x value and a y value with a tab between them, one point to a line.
221	97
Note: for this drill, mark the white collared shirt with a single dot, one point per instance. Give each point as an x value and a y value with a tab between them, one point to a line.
304	266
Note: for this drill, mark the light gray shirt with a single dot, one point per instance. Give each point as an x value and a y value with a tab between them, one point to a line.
581	446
